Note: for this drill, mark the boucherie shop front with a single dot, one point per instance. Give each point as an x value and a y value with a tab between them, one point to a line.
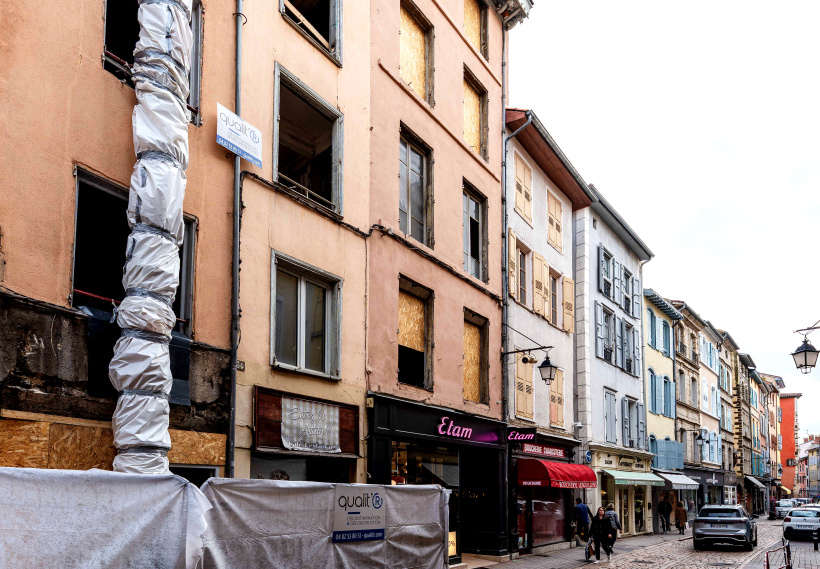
410	443
546	484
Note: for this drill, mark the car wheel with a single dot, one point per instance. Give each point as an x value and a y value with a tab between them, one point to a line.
748	546
754	543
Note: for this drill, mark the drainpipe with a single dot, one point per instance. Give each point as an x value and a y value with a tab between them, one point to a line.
675	377
140	369
237	226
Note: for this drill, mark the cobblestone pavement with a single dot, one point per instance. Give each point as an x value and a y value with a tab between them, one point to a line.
803	556
665	552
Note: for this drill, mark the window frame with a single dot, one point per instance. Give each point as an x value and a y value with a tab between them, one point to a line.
483	97
523	258
553	278
333	286
413	141
427	296
483	324
336	30
313	99
470	191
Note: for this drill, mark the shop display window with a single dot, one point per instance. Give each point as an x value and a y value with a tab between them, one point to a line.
301	469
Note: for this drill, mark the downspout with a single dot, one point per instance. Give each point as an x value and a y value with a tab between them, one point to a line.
643	364
237	226
675	378
140	369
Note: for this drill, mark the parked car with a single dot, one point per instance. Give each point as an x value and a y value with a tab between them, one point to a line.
801	501
724	524
782	507
801	521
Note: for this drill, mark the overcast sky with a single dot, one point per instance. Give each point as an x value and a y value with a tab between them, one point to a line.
700	123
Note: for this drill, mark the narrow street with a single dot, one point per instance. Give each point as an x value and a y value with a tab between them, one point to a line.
675	552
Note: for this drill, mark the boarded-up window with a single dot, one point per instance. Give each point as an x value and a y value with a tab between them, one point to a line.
523	189
557	399
523	387
472	362
555	211
474	24
475	114
414	50
569	305
414	335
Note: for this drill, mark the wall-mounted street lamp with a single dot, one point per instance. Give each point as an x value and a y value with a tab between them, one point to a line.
805	356
546	369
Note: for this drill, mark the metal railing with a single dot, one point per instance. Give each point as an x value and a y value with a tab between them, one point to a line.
780	558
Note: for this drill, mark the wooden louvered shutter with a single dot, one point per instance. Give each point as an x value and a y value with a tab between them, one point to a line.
599	330
618	283
637	295
557	399
619	342
569	305
625	421
523	387
641	426
540	274
512	271
528	193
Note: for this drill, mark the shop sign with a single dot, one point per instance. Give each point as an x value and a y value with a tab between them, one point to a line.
358	513
609	462
456	427
310	426
542	450
518	434
625	464
452	550
238	136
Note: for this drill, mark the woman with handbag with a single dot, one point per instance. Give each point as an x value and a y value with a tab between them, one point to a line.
680	518
612	515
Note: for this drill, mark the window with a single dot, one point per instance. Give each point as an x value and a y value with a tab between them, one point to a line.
522	276
609	416
605	333
653	332
653	448
681	386
476	362
668	401
474	228
667	338
415	211
122	32
553	298
653	391
306	316
307	145
415	335
475	25
416	51
632	422
694	392
555	216
475	114
523	188
605	272
319	21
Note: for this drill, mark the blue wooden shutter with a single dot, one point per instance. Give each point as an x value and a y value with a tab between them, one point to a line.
661	462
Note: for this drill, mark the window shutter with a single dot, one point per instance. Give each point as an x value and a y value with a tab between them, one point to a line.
617	283
625	421
528	193
519	184
540	273
520	402
528	394
660	459
637	295
653	386
704	454
557	399
559	231
513	264
641	426
619	347
636	347
551	219
569	305
609	416
673	404
659	395
601	269
599	330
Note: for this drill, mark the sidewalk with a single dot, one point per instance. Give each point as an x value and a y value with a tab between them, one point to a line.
574	557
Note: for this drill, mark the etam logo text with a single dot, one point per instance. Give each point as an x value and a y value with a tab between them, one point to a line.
364	500
516	436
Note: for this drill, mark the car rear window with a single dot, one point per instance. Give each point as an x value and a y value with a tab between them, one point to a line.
804	514
719	513
785	504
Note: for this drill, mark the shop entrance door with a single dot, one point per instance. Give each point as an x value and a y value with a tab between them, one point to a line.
623	499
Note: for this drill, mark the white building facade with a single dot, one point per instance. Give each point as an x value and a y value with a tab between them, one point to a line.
609	257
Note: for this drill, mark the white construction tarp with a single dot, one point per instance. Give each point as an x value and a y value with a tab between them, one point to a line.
98	519
274	523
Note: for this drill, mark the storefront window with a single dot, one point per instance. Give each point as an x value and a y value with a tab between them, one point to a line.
729	495
301	469
623	498
690	497
715	494
639	511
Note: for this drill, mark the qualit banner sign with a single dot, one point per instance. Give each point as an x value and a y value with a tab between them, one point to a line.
238	136
358	513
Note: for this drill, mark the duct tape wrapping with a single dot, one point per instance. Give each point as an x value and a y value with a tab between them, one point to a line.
146	313
151	263
141	420
157	192
142	463
140	364
160	122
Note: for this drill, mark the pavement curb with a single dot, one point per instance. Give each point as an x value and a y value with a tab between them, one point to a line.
756	553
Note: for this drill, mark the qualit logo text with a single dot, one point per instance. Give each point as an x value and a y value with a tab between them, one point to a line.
240	127
365	500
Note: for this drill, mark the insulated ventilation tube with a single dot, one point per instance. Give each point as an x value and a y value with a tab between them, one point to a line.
141	367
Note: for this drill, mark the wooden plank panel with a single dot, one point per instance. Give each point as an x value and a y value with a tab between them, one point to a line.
472	117
413	54
472	23
190	447
24	443
75	447
411	321
472	362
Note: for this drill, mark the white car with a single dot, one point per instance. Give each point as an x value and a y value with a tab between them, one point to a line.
782	507
801	521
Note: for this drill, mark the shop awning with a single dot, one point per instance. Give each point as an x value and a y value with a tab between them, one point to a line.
754	481
534	472
786	490
627	478
679	481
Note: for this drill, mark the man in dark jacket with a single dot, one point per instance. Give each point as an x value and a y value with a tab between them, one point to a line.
664	511
581	515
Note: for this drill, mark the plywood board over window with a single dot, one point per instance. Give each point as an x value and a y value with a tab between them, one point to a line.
414	335
411	321
472	117
413	52
472	362
472	23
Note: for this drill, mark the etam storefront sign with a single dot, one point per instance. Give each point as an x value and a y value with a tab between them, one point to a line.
463	428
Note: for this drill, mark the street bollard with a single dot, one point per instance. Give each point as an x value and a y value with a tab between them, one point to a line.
815	537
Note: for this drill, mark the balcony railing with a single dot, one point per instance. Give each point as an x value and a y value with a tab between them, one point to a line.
694	356
628	305
628	365
608	353
682	348
608	289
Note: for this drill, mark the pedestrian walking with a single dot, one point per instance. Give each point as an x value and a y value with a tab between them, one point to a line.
680	517
615	523
664	510
602	532
582	516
